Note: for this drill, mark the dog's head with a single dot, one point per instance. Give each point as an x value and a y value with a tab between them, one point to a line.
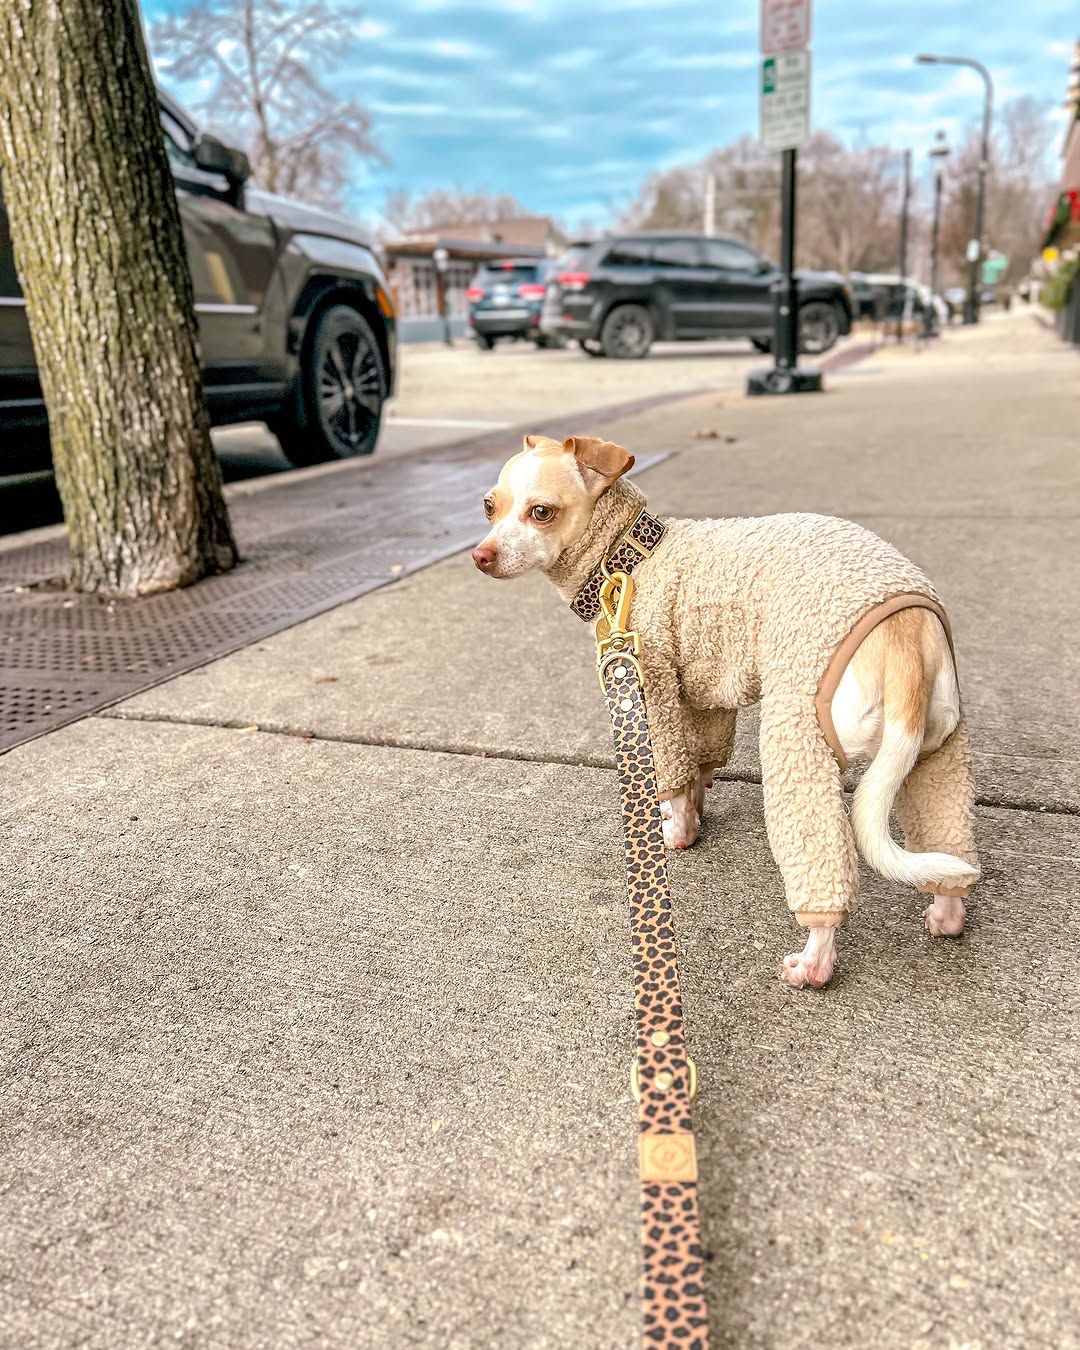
544	500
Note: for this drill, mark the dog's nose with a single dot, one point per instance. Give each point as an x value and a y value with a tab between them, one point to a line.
483	556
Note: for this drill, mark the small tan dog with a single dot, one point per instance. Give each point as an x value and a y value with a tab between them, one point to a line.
838	637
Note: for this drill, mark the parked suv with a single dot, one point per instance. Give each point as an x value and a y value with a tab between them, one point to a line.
617	296
295	321
505	300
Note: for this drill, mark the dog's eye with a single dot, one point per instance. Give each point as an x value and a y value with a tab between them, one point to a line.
542	514
489	507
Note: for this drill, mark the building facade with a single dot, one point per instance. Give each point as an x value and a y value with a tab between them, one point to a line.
419	292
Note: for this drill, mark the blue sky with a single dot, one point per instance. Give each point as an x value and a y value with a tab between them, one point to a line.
570	105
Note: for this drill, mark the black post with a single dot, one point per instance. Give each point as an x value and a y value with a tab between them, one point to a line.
786	376
971	308
935	233
786	313
903	246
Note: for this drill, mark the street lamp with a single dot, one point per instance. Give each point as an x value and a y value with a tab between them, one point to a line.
974	252
938	151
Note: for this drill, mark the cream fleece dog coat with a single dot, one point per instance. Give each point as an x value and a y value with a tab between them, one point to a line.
733	612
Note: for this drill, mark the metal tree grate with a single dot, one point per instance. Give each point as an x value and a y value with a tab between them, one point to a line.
308	545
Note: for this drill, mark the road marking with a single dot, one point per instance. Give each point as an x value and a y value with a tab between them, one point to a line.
446	422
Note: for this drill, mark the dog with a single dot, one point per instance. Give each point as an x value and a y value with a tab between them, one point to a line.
839	638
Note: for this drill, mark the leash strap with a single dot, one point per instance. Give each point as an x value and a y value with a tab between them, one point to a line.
663	1076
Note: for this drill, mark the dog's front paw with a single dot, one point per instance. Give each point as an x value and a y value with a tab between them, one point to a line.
801	970
682	823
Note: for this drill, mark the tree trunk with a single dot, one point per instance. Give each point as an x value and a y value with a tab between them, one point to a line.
100	253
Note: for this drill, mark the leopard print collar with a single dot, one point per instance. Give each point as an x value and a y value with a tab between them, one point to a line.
630	548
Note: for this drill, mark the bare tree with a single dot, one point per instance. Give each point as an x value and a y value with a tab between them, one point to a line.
1019	188
848	201
401	211
262	56
98	245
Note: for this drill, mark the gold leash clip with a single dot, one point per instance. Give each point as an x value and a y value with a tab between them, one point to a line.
613	637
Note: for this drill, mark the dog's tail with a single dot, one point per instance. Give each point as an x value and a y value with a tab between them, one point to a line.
906	698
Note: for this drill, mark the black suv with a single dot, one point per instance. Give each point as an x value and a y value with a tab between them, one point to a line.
295	320
617	296
505	300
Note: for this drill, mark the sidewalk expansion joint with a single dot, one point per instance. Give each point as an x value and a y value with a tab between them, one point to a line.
306	546
465	750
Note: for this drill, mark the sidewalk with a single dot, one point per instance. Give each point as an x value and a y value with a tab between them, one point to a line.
318	1008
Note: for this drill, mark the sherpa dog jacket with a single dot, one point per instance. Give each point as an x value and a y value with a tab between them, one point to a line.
736	611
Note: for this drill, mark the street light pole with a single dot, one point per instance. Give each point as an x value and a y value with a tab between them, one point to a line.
971	304
440	257
905	204
937	153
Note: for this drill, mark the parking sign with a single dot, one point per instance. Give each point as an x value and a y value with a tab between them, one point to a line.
785	100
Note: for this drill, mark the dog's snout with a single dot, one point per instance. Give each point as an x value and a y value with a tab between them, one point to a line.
483	556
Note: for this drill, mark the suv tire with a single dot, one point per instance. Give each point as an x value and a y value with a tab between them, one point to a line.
485	341
337	409
819	327
627	333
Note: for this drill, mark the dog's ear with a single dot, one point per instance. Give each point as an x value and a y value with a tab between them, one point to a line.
600	462
530	442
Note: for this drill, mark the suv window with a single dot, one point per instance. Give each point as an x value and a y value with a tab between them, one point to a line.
574	258
629	253
732	257
178	145
513	274
676	253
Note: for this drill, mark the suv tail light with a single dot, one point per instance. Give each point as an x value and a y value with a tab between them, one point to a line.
573	281
531	289
474	293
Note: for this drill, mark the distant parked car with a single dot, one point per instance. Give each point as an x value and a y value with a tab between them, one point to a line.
617	296
505	300
884	295
295	320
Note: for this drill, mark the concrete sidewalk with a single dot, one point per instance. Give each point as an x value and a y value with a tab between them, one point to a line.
318	1000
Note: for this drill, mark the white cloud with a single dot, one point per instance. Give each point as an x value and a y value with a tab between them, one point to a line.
574	58
391	109
367	30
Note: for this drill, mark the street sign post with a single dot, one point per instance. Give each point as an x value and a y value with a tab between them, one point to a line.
785	25
785	100
785	125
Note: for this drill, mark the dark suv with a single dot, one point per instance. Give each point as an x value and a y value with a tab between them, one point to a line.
295	320
617	296
505	300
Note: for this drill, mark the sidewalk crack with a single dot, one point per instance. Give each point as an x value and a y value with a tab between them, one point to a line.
472	751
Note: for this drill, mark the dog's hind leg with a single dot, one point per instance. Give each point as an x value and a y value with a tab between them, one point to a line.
935	807
808	829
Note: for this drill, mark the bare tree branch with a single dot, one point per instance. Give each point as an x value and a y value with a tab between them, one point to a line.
267	59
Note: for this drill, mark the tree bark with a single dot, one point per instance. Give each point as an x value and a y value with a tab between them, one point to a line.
100	253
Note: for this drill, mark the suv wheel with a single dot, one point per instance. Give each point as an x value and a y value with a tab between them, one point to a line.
627	333
341	391
485	342
589	349
819	327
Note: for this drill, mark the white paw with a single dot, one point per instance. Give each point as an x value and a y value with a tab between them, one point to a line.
799	972
815	964
945	917
682	824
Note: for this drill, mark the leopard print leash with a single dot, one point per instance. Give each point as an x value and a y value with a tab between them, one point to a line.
664	1077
